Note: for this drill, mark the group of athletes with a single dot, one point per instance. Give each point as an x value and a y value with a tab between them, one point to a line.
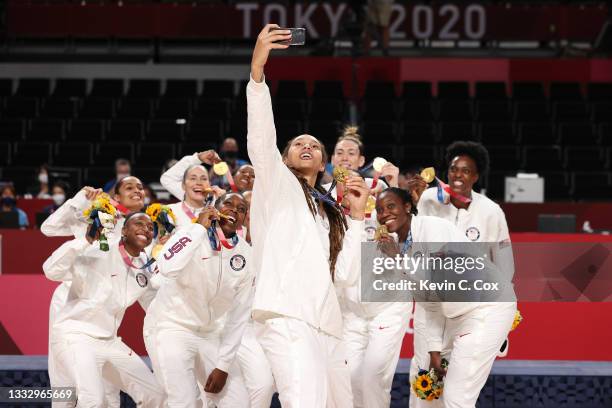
257	292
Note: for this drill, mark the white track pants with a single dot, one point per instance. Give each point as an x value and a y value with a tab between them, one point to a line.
373	350
256	370
182	360
471	343
83	359
57	375
309	366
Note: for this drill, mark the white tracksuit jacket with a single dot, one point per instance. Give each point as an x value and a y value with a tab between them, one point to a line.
202	287
102	288
293	269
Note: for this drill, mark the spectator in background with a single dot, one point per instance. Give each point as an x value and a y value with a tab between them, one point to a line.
229	154
40	186
377	24
150	196
122	169
59	192
8	203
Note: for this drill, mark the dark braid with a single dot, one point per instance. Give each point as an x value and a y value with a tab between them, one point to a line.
335	215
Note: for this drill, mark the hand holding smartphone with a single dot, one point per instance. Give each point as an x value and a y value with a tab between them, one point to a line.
298	36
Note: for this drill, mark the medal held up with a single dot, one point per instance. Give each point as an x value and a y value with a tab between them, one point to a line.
101	214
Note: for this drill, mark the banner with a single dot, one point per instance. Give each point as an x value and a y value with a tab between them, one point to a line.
421	22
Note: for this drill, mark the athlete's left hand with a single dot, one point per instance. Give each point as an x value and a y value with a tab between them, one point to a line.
357	196
216	381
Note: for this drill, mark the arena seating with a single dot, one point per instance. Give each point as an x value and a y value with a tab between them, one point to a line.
563	131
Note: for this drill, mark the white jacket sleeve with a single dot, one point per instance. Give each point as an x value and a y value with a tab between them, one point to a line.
434	330
172	179
181	248
237	318
261	138
503	256
348	264
60	265
65	220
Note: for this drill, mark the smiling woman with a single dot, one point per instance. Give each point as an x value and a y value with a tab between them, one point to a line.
300	249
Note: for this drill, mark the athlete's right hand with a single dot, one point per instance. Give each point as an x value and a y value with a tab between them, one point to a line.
416	186
435	362
267	40
209	157
207	216
91	193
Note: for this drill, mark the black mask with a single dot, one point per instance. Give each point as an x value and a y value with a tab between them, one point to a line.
231	155
8	201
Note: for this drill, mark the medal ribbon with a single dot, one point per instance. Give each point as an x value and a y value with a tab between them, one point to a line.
128	261
216	246
188	212
122	209
445	188
407	243
230	180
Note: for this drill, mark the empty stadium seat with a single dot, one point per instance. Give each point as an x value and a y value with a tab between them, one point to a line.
540	158
6	87
417	112
328	90
455	111
164	131
450	132
125	131
584	159
12	130
291	90
77	154
418	133
288	129
556	186
419	156
492	111
496	133
379	90
379	132
154	154
537	134
577	134
570	112
85	130
531	112
604	132
504	158
106	153
181	88
107	88
70	88
327	109
602	112
210	130
6	150
289	109
32	153
528	91
416	91
34	87
212	109
60	108
50	130
132	108
218	89
383	109
326	131
591	186
20	107
565	91
490	91
144	88
600	91
175	108
97	108
457	90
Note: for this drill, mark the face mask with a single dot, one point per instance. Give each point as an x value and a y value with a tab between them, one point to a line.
147	201
8	201
229	155
43	178
122	175
58	199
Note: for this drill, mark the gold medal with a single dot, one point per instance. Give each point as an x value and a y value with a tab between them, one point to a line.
340	174
156	250
378	164
381	231
428	174
370	205
220	168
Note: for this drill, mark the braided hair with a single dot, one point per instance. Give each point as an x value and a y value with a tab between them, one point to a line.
335	215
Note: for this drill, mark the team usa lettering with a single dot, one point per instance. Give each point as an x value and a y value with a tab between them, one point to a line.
176	248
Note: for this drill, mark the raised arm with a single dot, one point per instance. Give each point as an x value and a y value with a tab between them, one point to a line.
59	266
172	179
261	139
66	221
183	244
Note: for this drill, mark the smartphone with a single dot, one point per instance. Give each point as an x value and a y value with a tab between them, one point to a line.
298	36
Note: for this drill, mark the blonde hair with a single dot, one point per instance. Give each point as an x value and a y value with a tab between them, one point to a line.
351	134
